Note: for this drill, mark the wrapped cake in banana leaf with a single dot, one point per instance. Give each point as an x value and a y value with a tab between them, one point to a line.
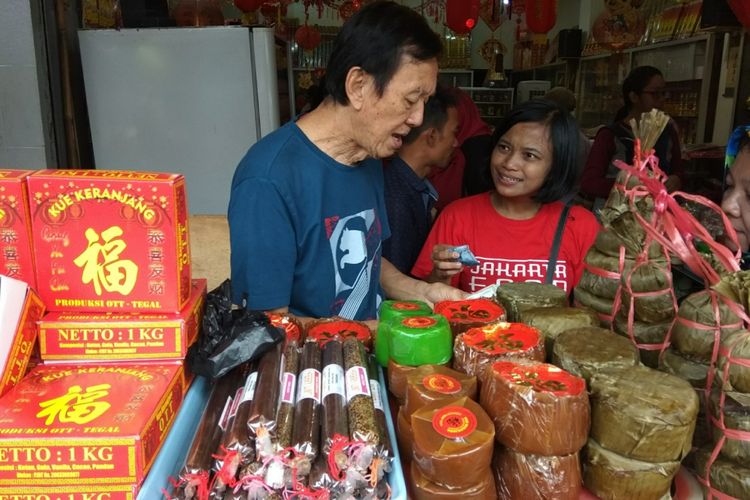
642	413
534	477
431	383
609	243
424	489
676	364
652	334
470	313
585	351
537	408
552	321
737	345
517	297
597	263
645	278
601	305
453	442
610	476
736	411
480	347
727	477
694	328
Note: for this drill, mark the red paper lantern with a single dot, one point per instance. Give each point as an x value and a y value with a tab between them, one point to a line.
741	9
541	15
307	37
248	5
461	15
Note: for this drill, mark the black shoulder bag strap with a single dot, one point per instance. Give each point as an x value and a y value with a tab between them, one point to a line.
552	262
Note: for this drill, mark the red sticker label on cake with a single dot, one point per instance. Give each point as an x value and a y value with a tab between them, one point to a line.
470	311
454	422
444	384
342	330
406	306
419	322
541	377
502	338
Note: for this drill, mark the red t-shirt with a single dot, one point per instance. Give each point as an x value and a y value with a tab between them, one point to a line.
510	250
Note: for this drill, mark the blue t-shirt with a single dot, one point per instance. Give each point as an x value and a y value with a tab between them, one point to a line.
306	231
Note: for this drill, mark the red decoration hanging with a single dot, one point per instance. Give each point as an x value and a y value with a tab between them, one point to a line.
741	9
307	37
248	5
541	15
461	15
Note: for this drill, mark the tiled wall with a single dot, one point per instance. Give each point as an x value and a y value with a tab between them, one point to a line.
22	142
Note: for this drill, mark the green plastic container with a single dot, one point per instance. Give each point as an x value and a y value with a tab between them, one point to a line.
394	310
421	340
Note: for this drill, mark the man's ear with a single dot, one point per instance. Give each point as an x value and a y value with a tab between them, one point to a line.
633	97
356	85
431	136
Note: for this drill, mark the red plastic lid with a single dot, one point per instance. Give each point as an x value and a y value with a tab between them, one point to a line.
339	329
444	384
454	422
542	377
292	329
502	338
419	322
470	311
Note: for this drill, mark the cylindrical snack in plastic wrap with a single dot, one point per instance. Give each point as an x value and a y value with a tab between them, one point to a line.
552	321
736	418
676	364
735	345
694	329
453	442
289	323
363	425
379	403
306	435
288	395
323	330
585	351
397	379
262	418
535	477
394	310
421	340
651	336
648	278
424	489
610	476
727	477
404	436
480	347
334	420
470	313
537	408
431	383
517	297
643	413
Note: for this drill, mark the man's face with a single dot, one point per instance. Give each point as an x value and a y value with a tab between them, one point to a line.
446	142
736	201
386	119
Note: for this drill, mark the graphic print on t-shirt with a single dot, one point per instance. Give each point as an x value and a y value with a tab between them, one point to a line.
492	271
354	241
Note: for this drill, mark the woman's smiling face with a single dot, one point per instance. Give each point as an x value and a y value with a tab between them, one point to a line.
521	160
736	200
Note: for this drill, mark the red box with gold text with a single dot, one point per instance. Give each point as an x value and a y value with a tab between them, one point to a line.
108	492
110	240
87	424
117	336
16	251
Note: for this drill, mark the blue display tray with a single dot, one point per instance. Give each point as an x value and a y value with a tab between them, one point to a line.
172	455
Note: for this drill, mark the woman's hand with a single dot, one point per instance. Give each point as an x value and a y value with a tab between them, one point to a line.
445	264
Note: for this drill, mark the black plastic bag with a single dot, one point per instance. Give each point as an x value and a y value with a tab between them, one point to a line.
229	336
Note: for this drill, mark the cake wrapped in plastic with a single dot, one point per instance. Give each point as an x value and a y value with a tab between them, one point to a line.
610	476
552	321
651	336
392	310
289	323
326	329
676	364
517	297
736	412
453	442
397	379
694	328
431	383
642	413
537	408
478	348
727	477
470	313
585	351
737	346
533	477
425	489
421	340
404	436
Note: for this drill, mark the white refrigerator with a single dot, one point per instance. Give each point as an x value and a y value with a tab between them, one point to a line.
185	100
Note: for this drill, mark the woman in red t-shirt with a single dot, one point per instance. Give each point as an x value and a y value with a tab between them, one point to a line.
511	229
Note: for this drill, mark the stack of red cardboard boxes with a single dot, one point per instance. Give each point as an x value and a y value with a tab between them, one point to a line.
108	254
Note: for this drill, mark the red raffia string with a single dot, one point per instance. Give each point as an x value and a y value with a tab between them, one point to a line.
200	481
229	460
339	444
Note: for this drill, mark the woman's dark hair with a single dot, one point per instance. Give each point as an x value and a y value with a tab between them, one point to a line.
564	137
375	39
637	80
